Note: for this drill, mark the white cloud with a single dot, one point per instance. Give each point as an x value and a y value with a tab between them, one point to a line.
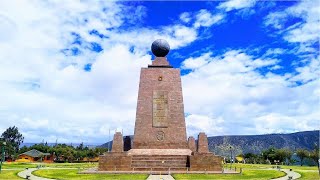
206	19
193	63
236	4
309	72
49	96
306	31
185	17
275	20
274	51
203	123
41	85
231	87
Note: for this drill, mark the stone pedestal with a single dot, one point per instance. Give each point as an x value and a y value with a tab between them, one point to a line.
203	160
203	143
192	144
117	144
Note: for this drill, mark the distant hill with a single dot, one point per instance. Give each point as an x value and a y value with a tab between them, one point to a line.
220	145
256	143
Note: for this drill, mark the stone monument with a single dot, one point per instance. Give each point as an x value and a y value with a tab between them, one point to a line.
160	140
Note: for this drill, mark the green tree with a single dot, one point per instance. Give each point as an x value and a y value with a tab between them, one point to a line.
315	155
270	154
250	158
283	154
23	149
288	155
302	154
80	147
13	138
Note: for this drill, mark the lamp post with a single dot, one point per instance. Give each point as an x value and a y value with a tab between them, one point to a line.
2	153
230	157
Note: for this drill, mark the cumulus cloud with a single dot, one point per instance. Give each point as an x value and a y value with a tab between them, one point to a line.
231	88
193	63
305	31
72	74
205	18
236	4
185	17
42	78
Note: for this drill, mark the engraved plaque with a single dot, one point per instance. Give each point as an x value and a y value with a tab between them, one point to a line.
160	109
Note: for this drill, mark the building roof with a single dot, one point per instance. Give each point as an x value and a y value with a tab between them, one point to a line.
35	153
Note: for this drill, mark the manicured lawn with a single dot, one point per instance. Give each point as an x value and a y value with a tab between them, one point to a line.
71	165
266	166
13	165
9	174
308	175
300	167
72	174
247	174
250	166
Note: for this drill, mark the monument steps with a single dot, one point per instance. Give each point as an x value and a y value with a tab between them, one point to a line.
159	163
164	170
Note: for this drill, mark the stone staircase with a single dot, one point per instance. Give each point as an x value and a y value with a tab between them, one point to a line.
159	163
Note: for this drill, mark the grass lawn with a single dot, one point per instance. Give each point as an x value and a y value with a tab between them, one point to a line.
308	175
247	174
9	174
300	167
14	165
267	166
72	174
71	165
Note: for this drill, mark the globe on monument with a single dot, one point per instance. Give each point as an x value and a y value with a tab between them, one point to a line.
160	48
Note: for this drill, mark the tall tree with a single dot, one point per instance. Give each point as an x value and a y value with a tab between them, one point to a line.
13	138
315	155
302	154
283	155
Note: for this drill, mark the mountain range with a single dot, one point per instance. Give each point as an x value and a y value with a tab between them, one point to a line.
220	145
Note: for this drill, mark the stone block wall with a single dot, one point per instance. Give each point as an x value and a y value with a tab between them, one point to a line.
115	162
205	162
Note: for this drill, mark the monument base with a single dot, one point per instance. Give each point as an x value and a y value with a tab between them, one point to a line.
159	160
205	162
115	161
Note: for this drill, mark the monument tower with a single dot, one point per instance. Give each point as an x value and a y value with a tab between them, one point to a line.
160	142
160	122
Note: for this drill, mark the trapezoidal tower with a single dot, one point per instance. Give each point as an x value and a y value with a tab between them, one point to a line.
160	120
160	140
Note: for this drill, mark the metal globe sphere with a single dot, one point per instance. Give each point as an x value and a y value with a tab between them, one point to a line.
160	48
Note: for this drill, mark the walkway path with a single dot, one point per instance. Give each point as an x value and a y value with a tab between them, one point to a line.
292	174
160	177
28	172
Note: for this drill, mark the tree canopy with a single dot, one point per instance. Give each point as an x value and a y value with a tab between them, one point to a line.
13	139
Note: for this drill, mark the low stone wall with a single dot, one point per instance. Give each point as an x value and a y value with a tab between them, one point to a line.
205	162
115	162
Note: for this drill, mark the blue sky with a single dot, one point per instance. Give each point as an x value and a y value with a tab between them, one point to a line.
70	70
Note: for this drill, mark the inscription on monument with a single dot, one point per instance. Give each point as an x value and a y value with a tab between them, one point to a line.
160	135
160	109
